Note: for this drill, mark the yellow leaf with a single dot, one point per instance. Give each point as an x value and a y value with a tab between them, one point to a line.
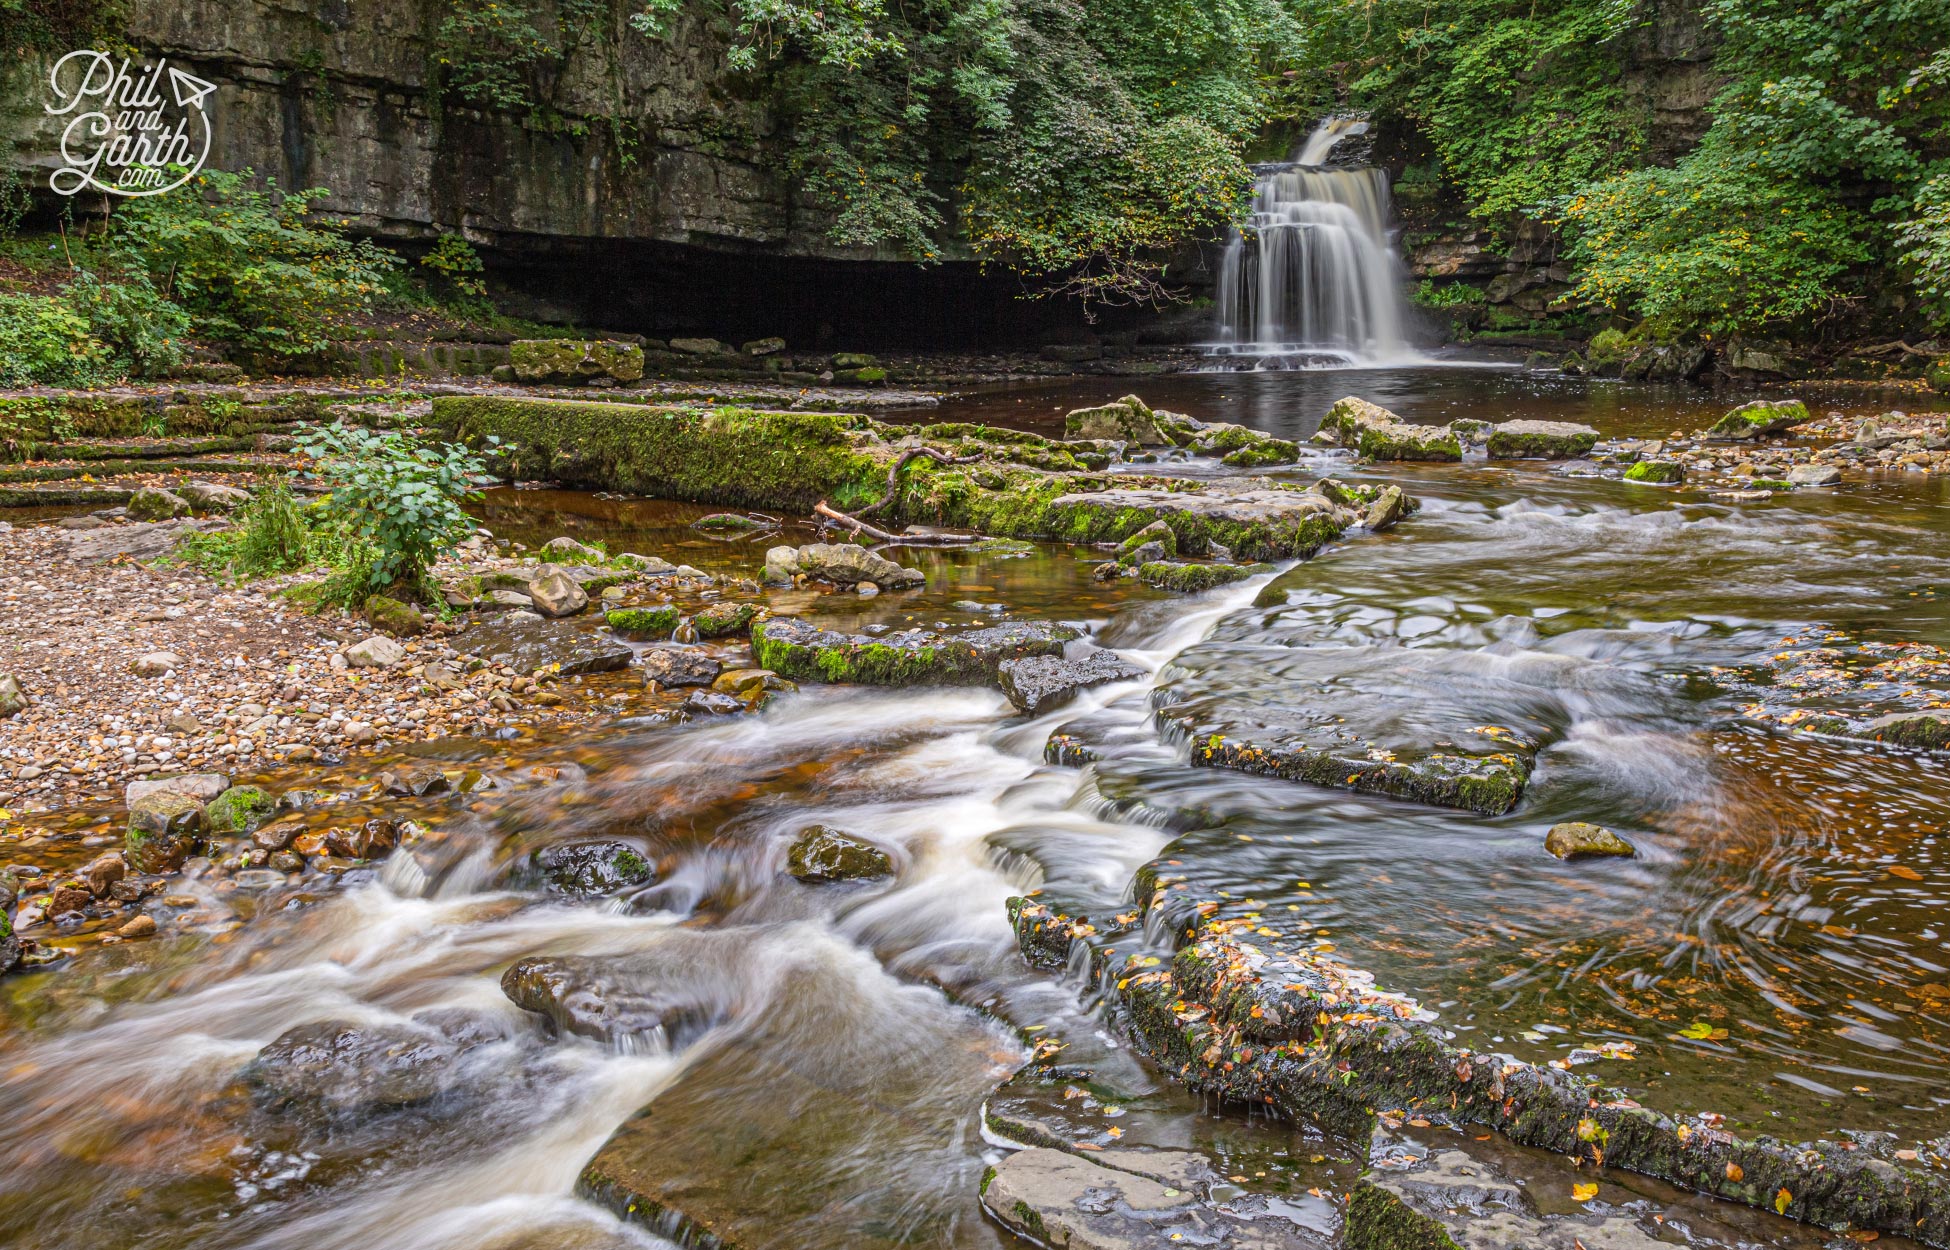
1781	1201
1584	1193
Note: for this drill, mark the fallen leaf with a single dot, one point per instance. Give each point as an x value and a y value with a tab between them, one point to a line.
1905	872
1735	1172
1584	1193
1781	1201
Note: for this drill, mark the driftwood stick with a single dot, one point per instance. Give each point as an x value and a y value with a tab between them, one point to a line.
857	526
907	458
854	524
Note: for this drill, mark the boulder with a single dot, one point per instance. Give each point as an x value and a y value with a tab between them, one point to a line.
162	831
156	663
712	703
1929	731
1390	506
1128	420
395	617
1575	838
651	566
700	347
723	620
1657	472
567	550
240	809
728	523
1266	452
621	1002
1540	440
771	346
353	1067
591	868
202	787
572	360
1759	419
675	667
207	497
152	503
642	623
845	564
915	657
13	700
532	644
1374	433
1190	579
1041	682
821	853
1156	537
1814	475
555	593
377	651
781	565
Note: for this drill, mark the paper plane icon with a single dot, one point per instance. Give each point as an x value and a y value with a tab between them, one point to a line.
189	89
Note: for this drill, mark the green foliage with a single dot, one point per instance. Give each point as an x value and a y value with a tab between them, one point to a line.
1448	295
250	263
269	536
505	54
148	333
45	342
397	502
41	27
457	265
1925	243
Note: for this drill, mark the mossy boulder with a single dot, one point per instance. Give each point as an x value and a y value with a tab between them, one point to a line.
1267	452
1156	535
162	831
152	503
589	869
1192	578
240	809
915	657
1928	731
1576	838
575	360
821	854
727	523
1759	419
1657	472
1937	376
1374	433
1128	420
392	616
1540	440
643	623
722	620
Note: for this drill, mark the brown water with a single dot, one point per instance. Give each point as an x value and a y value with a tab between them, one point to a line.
826	1094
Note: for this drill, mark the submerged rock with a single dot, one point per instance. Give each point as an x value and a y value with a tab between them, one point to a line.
353	1067
1575	838
592	868
624	1002
1540	440
1374	433
801	650
1759	419
1042	682
822	853
675	667
532	644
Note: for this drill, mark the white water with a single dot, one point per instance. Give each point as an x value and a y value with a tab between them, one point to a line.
1311	280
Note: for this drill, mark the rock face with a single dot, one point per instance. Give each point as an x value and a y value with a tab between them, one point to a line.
1540	440
530	645
1759	419
676	667
1575	838
822	853
844	564
1374	433
573	361
1129	420
1042	682
353	1068
915	657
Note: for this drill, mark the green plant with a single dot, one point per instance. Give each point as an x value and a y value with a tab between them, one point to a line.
1448	295
1925	243
457	265
252	264
268	536
44	342
397	503
148	333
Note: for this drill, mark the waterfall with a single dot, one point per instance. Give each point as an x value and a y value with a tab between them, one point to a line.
1311	280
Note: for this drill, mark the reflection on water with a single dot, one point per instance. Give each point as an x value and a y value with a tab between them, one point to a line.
828	1047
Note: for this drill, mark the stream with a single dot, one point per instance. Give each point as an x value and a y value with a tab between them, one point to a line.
1789	901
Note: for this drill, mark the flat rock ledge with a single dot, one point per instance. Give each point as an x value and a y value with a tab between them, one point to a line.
1246	1019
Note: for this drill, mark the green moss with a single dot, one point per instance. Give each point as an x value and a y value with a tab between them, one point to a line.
239	809
1657	472
1267	452
724	619
642	623
1192	578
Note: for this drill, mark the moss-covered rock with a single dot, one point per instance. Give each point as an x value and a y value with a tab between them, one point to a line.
1128	420
727	523
1157	535
1192	578
391	616
1540	440
575	360
1928	731
1657	472
1374	433
914	657
1938	375
822	853
643	623
152	503
162	831
1759	419
1267	452
240	809
722	620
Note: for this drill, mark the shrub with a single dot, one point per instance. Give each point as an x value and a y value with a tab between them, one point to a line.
395	501
148	333
1448	295
269	537
457	265
252	265
44	342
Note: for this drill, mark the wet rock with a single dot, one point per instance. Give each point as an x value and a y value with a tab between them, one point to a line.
372	840
802	651
1038	683
1575	837
1657	472
675	667
821	853
1814	475
138	927
1928	731
1540	440
728	523
9	944
724	620
152	503
534	644
352	1067
1759	419
1154	542
101	873
1254	523
1128	420
377	651
1265	453
744	681
200	786
649	566
395	617
1188	579
1374	433
156	664
711	703
844	564
591	868
162	831
555	593
69	896
1388	508
240	809
641	623
415	781
624	1003
12	699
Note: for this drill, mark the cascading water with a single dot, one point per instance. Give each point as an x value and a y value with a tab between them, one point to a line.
1311	280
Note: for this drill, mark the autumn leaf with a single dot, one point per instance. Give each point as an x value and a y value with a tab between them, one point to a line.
1905	872
1701	1031
1584	1193
1781	1201
1735	1172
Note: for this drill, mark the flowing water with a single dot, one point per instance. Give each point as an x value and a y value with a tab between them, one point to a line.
1312	277
1790	893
